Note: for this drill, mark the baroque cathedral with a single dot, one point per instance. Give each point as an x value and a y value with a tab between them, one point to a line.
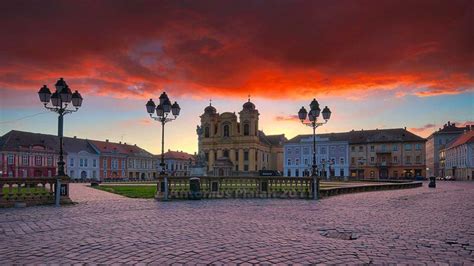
236	147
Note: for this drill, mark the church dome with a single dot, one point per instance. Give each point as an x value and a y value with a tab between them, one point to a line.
249	106
210	110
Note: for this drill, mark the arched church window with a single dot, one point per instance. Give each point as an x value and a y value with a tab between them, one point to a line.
246	129
206	132
226	130
226	153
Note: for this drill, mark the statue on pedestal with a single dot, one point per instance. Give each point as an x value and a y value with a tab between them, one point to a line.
199	168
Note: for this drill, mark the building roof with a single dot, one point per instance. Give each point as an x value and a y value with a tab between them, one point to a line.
273	140
367	136
176	155
467	137
120	148
19	140
451	128
76	145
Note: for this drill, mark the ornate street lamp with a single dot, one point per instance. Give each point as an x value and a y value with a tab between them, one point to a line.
60	101
312	116
164	110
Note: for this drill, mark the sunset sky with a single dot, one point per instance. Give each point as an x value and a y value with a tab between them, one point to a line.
376	64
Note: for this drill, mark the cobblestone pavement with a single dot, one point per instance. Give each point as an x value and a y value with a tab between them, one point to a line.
418	225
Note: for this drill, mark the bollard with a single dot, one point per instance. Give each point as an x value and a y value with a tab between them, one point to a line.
432	183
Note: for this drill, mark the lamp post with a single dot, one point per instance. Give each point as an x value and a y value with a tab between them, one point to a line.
60	101
313	123
164	110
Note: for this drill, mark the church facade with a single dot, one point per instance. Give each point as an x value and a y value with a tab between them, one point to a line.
234	146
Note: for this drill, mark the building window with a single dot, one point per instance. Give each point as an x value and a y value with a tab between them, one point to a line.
81	162
94	162
246	155
297	162
237	156
289	162
24	159
50	160
372	148
418	146
105	163
246	129
323	150
105	174
418	159
384	147
226	153
353	160
226	130
341	161
361	148
10	158
353	148
408	160
341	172
289	172
114	163
206	132
372	159
305	161
71	173
305	150
85	162
246	167
408	147
395	147
71	162
94	174
297	172
395	159
123	164
38	160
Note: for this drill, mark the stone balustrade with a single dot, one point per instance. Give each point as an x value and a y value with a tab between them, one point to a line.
263	187
31	191
238	187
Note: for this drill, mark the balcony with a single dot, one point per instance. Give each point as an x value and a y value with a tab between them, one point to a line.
383	164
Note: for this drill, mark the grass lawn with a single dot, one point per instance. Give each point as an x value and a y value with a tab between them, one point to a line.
143	192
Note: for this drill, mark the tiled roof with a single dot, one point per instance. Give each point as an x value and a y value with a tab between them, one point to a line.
366	136
120	148
467	137
177	155
272	139
19	140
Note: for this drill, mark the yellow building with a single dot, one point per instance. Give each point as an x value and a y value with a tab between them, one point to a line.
386	153
236	146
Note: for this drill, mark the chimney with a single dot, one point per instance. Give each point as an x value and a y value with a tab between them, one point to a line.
120	142
106	140
125	143
75	137
405	128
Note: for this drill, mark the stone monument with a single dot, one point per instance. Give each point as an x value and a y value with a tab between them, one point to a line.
199	168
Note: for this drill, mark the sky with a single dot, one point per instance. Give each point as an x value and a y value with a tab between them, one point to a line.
376	64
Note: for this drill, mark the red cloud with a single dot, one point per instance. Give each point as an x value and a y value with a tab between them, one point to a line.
289	49
287	118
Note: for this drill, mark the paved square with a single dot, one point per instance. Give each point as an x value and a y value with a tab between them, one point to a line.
414	226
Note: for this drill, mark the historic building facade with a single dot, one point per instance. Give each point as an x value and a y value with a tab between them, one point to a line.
234	145
25	154
82	160
386	153
438	141
332	153
459	157
177	163
113	159
140	163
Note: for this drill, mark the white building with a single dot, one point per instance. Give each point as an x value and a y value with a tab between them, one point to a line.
82	159
332	153
459	157
176	163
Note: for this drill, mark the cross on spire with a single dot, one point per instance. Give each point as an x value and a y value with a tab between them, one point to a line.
249	97
210	102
